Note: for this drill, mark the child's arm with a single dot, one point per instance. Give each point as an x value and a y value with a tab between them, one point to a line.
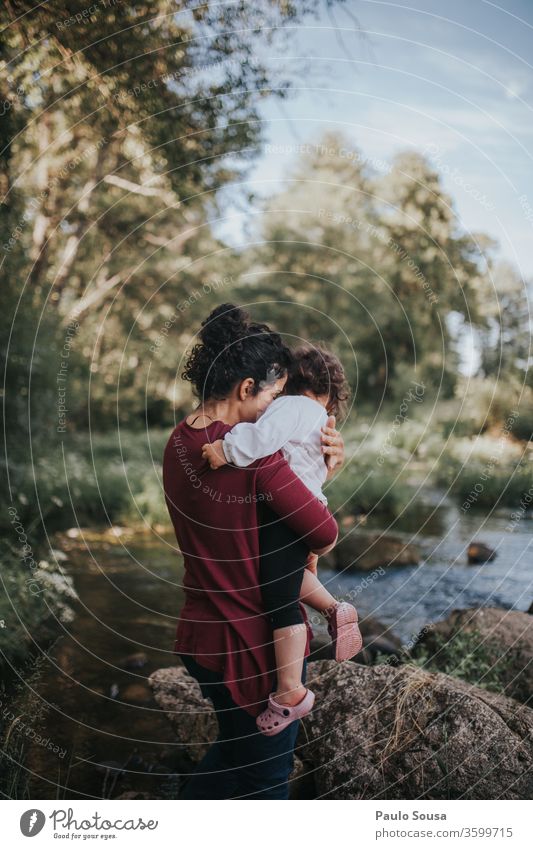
249	441
312	563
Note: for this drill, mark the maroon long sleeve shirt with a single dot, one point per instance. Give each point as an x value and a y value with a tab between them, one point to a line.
216	515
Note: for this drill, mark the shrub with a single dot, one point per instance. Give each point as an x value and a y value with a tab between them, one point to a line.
485	472
492	401
469	655
32	601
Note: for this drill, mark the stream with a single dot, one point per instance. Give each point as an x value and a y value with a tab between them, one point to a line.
101	713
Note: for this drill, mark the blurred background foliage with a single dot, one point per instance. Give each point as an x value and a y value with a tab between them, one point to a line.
127	131
123	131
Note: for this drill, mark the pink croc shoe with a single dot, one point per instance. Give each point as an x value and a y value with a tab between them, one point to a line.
277	716
344	631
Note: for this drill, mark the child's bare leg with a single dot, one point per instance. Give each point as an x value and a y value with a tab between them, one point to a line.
289	647
315	594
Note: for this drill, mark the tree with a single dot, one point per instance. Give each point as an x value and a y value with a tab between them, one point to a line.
381	252
125	120
506	341
432	267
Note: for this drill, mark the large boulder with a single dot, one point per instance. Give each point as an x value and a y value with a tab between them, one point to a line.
383	732
496	644
192	717
194	722
403	733
364	551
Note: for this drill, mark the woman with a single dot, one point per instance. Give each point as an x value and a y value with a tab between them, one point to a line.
223	634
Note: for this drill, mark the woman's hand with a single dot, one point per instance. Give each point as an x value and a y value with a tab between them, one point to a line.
312	562
214	454
332	445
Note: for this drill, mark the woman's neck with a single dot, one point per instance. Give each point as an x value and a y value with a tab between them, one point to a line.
221	411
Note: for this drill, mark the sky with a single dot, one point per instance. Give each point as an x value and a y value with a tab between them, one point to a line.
451	79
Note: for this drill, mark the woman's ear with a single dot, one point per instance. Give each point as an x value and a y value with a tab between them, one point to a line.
245	388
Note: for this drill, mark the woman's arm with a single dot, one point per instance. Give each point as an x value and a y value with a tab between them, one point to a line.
287	496
332	446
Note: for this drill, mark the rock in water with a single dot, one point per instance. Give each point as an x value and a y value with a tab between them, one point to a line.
379	639
499	644
478	552
403	733
192	717
365	551
135	661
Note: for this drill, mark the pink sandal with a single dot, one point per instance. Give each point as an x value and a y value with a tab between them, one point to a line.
276	717
344	632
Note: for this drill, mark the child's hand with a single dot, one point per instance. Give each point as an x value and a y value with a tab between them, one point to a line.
214	454
312	562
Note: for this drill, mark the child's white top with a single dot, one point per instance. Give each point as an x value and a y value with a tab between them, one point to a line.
292	423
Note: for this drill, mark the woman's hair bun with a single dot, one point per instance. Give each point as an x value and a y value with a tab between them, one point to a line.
223	327
231	347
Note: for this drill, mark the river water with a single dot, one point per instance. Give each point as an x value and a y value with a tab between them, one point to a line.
101	712
408	597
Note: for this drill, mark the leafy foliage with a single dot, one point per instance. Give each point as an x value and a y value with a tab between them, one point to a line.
376	264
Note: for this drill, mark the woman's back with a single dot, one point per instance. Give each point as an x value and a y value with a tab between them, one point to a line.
215	517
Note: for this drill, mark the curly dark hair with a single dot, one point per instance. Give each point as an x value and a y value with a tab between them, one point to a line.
318	370
232	347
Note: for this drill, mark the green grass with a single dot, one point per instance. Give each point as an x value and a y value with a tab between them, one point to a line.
384	461
20	720
493	403
83	481
34	595
469	655
485	472
359	487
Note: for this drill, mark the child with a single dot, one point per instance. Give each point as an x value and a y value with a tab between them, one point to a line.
316	386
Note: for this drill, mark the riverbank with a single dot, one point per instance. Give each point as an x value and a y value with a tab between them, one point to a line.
399	730
90	695
91	478
109	587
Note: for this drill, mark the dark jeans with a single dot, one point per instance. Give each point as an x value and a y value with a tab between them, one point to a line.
242	763
282	561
